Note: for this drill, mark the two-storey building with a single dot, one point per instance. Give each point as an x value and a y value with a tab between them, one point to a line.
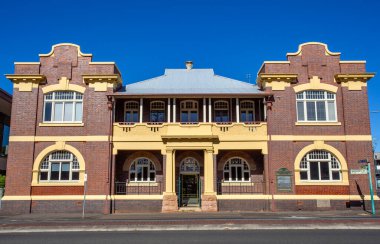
189	139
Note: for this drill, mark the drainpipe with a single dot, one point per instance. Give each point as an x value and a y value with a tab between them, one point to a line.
111	106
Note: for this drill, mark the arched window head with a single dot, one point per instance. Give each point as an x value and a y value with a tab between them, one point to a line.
131	111
320	165
221	111
60	166
247	111
316	106
63	107
189	165
236	170
157	111
142	170
189	111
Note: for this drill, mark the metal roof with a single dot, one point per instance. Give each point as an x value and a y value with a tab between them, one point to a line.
190	81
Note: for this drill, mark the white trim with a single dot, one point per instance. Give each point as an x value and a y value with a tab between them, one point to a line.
209	110
169	110
141	110
204	110
174	110
237	110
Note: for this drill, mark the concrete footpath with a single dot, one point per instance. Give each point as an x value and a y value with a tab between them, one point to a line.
189	221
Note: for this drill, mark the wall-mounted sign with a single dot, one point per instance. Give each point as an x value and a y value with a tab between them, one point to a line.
362	171
363	161
284	180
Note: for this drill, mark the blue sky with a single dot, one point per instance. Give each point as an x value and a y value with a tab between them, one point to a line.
233	37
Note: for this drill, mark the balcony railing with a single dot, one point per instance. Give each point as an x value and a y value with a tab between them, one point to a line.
138	188
240	188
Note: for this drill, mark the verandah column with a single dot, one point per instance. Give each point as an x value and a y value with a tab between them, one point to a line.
209	201
169	201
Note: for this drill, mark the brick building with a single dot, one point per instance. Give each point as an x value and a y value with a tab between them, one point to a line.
188	138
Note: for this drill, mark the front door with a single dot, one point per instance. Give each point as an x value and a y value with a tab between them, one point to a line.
189	187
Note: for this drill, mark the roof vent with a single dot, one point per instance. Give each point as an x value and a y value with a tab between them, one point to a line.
189	65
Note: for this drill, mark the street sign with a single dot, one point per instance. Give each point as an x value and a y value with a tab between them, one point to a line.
358	171
363	161
85	177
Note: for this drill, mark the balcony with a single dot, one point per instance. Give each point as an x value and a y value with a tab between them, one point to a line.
137	132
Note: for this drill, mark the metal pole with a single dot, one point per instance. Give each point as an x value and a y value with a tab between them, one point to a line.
371	188
84	195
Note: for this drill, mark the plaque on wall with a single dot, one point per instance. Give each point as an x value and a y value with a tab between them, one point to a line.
284	180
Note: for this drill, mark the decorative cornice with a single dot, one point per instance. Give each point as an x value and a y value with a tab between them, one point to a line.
102	82
26	82
278	82
354	82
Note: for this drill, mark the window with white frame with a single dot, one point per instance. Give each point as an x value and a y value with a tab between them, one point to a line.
157	111
63	107
221	111
60	166
131	111
236	170
189	111
316	106
142	170
247	111
319	165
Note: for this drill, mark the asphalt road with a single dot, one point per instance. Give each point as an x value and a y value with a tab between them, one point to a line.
182	237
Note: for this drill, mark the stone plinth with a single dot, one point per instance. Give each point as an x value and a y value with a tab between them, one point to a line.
169	203
209	203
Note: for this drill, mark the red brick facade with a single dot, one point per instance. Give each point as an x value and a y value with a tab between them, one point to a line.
31	137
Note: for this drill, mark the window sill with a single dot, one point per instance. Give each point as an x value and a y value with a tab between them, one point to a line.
60	124
76	183
142	184
243	183
318	123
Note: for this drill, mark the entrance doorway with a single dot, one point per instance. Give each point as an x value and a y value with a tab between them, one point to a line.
189	183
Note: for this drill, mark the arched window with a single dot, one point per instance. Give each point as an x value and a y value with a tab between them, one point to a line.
247	111
319	165
157	111
142	170
60	166
221	112
314	106
189	165
131	111
189	111
63	107
235	170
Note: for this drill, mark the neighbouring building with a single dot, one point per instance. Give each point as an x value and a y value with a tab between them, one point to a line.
5	119
377	171
189	138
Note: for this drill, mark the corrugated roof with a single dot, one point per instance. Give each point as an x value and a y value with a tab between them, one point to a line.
190	81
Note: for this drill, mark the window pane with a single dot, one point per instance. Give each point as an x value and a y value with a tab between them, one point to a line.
249	116
303	175
47	114
58	107
310	108
184	117
325	171
43	175
239	173
54	171
233	173
321	111
132	176
78	111
331	110
65	171
75	176
336	175
314	171
145	173
139	174
243	116
246	176
226	176
68	111
194	116
300	111
152	176
135	116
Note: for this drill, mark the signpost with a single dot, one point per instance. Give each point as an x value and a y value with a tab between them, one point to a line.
366	161
84	194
